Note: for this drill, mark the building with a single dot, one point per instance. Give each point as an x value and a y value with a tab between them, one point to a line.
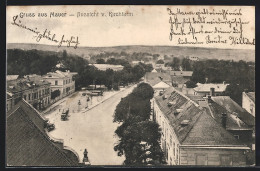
104	67
155	77
186	74
62	81
137	62
161	86
248	102
204	89
32	88
28	142
190	134
193	58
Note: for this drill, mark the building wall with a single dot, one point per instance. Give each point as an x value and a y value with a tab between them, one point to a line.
206	93
66	85
192	156
248	104
169	140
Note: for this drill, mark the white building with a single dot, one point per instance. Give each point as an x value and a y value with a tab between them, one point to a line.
248	102
104	67
191	136
204	89
62	81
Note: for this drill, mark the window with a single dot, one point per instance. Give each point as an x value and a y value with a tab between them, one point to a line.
24	97
7	107
226	160
236	136
29	96
201	159
56	82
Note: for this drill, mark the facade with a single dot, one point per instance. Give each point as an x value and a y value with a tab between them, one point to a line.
192	136
28	142
62	81
104	67
248	102
204	89
32	88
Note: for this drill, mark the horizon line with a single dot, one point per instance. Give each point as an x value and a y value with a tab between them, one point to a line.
136	45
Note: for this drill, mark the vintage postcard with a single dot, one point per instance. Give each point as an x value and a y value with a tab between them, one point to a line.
126	85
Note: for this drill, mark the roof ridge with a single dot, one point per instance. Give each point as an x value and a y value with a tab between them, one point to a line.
47	138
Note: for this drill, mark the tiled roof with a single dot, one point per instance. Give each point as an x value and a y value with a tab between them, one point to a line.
199	120
161	85
207	131
231	106
59	74
155	77
206	87
22	84
181	73
27	144
232	122
179	79
251	95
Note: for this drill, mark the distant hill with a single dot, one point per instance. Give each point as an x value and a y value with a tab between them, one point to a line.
202	53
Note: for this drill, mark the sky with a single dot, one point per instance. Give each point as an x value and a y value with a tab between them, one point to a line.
148	25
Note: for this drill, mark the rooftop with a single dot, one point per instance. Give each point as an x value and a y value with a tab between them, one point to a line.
206	87
27	143
59	74
154	78
181	73
232	107
22	84
200	120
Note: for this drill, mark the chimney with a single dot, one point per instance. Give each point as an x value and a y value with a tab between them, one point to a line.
224	82
224	120
212	92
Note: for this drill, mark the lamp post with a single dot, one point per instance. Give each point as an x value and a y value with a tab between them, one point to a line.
79	103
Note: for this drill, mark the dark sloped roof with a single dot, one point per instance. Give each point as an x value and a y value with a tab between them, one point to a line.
154	77
179	79
232	107
207	131
27	144
24	84
196	116
181	73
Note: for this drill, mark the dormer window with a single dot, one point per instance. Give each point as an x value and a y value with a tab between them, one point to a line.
185	122
164	97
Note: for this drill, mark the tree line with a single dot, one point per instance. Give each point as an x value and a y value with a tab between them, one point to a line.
139	137
21	62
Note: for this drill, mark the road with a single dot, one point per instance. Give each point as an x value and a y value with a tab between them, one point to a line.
93	130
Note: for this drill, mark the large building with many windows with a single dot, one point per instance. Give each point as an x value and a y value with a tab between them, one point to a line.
62	81
31	88
194	134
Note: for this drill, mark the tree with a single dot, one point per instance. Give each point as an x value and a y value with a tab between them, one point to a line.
55	94
143	90
190	84
100	61
160	61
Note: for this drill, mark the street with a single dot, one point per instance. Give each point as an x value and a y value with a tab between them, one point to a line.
93	129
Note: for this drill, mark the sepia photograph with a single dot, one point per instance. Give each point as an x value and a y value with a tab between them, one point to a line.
130	86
